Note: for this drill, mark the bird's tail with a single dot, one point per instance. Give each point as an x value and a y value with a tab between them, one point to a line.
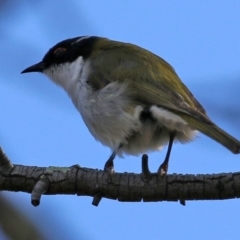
214	132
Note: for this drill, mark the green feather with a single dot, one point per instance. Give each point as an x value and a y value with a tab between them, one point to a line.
152	81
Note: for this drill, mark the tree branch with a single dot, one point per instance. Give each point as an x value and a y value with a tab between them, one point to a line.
126	187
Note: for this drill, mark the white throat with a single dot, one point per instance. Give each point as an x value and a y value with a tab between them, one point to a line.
67	74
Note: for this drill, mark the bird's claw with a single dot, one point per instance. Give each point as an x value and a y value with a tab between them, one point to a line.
162	171
109	168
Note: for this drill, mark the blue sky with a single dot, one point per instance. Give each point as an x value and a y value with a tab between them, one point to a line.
40	126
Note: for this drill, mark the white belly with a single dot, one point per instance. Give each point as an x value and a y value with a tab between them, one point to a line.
114	120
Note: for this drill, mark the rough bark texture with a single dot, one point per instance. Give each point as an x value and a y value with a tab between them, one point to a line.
127	187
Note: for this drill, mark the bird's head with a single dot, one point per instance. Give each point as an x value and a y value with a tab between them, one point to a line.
64	61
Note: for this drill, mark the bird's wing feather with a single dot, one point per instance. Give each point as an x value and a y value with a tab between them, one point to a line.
152	81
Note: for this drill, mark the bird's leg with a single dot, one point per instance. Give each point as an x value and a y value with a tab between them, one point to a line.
109	166
164	166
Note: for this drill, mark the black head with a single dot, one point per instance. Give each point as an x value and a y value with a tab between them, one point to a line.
65	51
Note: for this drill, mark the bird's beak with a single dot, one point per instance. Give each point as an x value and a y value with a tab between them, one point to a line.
39	67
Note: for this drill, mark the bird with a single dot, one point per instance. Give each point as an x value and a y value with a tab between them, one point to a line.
130	99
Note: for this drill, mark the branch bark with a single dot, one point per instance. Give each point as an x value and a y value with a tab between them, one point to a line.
126	187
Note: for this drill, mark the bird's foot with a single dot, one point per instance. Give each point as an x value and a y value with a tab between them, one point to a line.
146	174
162	170
109	167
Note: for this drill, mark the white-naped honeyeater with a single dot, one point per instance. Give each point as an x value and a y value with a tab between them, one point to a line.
130	99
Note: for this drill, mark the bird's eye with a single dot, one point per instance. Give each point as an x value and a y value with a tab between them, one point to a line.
59	51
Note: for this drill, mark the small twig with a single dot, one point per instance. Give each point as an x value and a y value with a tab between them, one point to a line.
40	188
182	202
96	199
5	164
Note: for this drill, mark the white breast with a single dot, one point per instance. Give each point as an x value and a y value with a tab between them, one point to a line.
105	115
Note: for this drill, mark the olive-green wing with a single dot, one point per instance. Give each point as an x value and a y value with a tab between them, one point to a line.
197	120
153	81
